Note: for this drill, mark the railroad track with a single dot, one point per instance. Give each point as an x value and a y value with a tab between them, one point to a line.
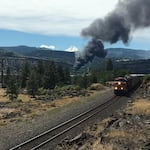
50	135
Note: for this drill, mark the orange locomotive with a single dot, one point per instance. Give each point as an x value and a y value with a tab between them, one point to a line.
120	86
123	85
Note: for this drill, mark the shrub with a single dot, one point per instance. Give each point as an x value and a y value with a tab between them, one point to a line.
96	86
147	78
42	91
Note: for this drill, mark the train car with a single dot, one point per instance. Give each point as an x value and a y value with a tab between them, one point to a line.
120	86
124	85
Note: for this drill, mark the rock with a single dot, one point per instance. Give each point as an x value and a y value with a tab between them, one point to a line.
79	140
94	127
129	122
147	121
10	115
137	118
130	101
146	147
116	123
121	123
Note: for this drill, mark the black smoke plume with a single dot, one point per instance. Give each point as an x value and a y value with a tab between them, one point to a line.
94	48
129	15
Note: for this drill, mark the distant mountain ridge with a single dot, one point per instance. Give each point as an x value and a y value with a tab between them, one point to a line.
124	58
54	55
115	53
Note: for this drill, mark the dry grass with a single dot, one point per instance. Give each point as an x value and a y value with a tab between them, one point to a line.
116	133
98	146
65	101
132	134
3	123
6	110
99	127
27	107
24	97
3	97
97	86
141	106
94	143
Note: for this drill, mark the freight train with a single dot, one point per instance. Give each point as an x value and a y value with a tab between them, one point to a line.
124	85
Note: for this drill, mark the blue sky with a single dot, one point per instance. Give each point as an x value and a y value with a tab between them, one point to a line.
15	38
57	24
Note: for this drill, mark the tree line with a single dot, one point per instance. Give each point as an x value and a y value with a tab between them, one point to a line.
49	75
45	75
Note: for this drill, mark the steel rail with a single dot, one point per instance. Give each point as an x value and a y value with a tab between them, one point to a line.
71	127
63	124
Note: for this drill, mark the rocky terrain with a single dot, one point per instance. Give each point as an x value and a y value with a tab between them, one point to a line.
122	130
127	129
27	117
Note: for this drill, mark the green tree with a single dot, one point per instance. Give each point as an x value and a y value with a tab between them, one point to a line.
60	75
49	77
7	77
40	73
146	78
109	65
67	78
12	89
81	81
121	72
25	72
93	78
32	86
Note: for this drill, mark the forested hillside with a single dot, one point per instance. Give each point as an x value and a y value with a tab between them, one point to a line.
122	58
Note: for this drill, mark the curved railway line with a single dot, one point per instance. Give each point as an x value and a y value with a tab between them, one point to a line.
52	134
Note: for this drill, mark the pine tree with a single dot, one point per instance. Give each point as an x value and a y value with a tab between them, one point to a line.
24	75
32	86
40	73
7	77
12	89
81	81
49	77
109	65
67	78
60	75
93	78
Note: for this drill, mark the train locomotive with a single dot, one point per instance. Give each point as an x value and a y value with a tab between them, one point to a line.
124	85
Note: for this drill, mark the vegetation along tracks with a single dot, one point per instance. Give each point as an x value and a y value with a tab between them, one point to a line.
49	135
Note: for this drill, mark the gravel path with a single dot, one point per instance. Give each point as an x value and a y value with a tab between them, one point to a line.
17	133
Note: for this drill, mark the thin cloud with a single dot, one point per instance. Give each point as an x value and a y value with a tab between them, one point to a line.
50	16
51	47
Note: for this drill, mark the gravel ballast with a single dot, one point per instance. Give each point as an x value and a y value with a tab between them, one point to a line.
13	133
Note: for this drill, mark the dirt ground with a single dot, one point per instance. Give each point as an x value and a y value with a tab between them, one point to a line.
24	118
26	108
127	129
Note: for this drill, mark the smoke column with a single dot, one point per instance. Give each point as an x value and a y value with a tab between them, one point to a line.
128	16
94	48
